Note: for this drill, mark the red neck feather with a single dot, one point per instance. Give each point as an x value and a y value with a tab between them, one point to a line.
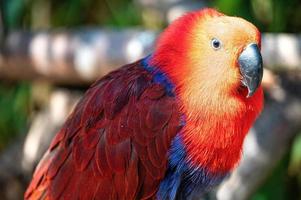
214	141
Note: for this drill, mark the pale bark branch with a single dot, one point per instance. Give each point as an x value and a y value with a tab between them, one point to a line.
71	57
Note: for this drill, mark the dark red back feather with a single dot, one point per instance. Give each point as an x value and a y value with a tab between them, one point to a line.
114	145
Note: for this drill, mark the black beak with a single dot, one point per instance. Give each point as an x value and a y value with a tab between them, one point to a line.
250	63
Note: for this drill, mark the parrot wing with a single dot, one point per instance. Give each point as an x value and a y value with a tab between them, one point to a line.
114	145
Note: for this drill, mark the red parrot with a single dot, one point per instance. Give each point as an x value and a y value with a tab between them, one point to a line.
169	126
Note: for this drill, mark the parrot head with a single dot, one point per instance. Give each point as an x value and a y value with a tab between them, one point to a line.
208	52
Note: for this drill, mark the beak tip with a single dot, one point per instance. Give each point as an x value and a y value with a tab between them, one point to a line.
250	94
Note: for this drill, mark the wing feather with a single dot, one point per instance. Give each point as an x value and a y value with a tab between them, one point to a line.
101	158
81	154
115	143
60	182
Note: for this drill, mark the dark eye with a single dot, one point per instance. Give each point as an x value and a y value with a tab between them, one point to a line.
216	44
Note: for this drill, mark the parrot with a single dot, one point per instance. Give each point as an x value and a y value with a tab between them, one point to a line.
169	126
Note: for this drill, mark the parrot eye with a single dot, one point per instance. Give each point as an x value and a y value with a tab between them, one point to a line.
216	44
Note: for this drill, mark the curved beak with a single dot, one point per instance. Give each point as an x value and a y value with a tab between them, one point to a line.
250	64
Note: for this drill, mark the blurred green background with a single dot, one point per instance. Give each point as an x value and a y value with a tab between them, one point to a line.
16	99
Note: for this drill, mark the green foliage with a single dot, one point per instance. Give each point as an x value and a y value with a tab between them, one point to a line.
295	158
70	13
275	187
268	15
295	164
123	14
13	13
14	111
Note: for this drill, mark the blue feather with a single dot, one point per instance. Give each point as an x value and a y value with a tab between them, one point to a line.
159	76
183	180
